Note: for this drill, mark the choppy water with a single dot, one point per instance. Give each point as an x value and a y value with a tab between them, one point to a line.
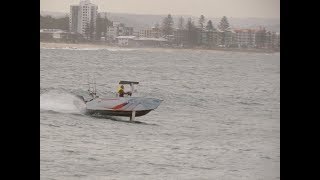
220	118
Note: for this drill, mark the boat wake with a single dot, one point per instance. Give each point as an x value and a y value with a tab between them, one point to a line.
62	102
79	102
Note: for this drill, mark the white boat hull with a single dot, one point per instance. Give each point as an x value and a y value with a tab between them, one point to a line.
122	106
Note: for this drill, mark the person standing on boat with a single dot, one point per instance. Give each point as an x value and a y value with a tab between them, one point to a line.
122	93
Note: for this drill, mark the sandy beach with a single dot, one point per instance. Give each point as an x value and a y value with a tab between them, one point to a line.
54	45
69	45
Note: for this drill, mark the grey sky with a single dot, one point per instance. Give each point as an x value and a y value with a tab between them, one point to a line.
209	8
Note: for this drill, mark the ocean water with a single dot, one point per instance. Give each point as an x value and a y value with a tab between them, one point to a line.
220	118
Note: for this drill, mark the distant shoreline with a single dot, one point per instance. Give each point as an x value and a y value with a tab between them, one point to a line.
57	45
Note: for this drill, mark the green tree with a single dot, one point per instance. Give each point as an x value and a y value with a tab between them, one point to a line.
99	26
224	24
192	33
201	24
167	25
48	22
92	29
157	26
211	38
181	23
106	24
209	26
201	21
107	21
63	23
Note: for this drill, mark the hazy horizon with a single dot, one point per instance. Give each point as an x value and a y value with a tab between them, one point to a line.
209	8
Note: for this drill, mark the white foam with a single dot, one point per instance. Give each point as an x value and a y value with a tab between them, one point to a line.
61	102
119	49
73	48
90	49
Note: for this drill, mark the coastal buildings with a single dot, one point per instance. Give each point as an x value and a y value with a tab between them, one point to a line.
57	35
118	29
145	33
112	33
245	37
128	31
83	17
272	40
85	25
275	40
47	34
156	32
125	40
150	33
136	33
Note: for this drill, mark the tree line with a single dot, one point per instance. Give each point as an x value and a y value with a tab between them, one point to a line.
190	26
168	24
167	27
48	22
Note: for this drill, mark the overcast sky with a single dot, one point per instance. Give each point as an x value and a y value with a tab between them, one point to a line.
209	8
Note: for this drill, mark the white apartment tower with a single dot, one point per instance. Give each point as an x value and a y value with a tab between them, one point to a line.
82	15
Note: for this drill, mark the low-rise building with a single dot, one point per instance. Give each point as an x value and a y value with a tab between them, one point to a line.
136	33
153	42
150	33
125	40
145	33
268	41
128	31
276	40
112	33
156	32
53	34
118	29
245	37
272	40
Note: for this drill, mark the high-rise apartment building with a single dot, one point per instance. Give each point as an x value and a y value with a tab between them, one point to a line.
83	16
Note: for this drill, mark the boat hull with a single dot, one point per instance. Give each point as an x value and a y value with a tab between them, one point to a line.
117	113
122	106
